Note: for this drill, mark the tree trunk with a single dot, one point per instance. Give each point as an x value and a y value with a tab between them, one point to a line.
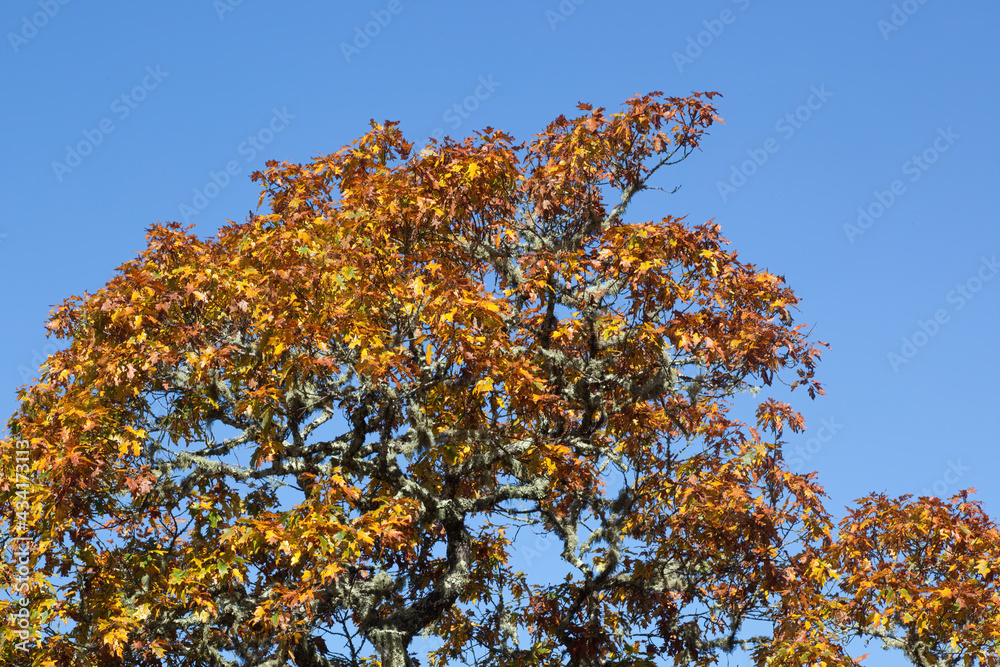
392	647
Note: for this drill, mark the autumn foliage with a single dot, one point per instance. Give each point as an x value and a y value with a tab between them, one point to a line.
318	434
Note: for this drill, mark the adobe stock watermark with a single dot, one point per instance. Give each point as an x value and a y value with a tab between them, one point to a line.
564	10
21	546
959	296
363	35
223	7
122	107
27	373
787	126
948	480
799	455
714	28
461	111
537	549
30	25
915	167
900	14
249	148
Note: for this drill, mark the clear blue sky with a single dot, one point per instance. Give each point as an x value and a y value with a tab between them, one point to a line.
857	160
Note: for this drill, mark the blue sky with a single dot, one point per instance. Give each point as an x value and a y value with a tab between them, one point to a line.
857	159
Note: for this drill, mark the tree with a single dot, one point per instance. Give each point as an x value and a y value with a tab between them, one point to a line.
335	418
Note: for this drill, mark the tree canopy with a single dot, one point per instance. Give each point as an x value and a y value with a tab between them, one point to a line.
319	434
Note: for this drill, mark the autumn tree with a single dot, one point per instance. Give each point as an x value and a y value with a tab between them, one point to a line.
316	435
